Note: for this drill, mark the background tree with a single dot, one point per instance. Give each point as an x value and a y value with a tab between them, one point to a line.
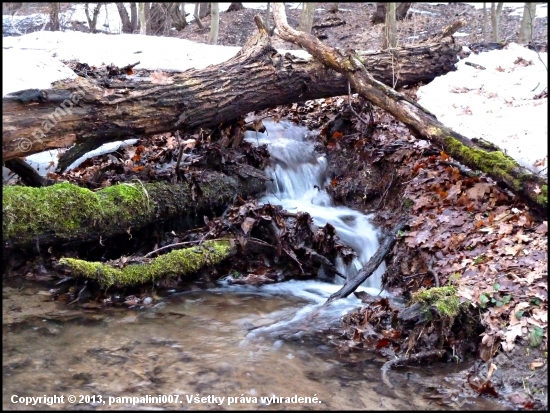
306	17
390	30
235	7
54	16
527	23
142	19
127	25
485	23
197	16
496	11
333	8
379	15
92	21
215	24
204	9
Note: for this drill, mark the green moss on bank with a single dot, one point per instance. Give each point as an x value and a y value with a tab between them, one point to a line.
172	264
64	212
65	209
444	299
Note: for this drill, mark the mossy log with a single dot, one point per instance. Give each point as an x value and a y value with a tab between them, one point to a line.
490	160
258	77
172	264
64	212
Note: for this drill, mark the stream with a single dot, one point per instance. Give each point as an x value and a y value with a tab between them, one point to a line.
232	347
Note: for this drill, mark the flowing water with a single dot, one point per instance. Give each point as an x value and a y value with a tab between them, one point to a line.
233	347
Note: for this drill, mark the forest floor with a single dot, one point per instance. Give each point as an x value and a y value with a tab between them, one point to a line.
465	233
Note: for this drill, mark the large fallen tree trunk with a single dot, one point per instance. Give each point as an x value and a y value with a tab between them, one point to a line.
258	77
474	154
64	212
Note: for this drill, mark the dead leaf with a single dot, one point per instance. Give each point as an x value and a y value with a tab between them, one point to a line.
247	224
478	190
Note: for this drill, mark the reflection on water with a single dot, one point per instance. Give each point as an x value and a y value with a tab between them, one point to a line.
202	343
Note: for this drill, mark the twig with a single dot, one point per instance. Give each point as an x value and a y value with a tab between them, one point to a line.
432	272
351	107
386	191
177	244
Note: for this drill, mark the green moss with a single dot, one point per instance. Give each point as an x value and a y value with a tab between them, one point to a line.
496	163
65	210
444	299
172	264
408	203
542	199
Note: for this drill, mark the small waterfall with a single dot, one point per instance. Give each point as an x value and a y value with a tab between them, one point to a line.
299	176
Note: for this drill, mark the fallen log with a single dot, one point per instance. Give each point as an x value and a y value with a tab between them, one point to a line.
64	212
493	161
172	264
259	77
371	266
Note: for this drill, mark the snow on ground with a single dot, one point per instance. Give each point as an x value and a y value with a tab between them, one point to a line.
496	104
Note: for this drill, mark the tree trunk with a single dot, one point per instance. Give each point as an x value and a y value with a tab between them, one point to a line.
496	11
379	15
306	17
133	17
527	23
485	157
64	212
124	18
204	9
196	15
92	21
402	10
179	20
215	24
485	23
333	8
54	17
142	19
235	7
256	78
390	29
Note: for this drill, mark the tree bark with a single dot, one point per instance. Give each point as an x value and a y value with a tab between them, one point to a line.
258	77
64	212
496	11
402	10
54	17
390	29
92	21
306	17
214	24
124	18
483	156
142	19
379	15
527	23
235	7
